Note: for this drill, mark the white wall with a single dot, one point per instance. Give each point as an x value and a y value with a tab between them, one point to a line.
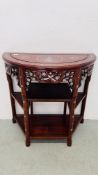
49	26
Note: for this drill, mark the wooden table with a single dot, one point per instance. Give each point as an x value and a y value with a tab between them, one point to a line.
48	78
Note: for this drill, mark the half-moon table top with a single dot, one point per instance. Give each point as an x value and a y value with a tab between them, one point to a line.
49	61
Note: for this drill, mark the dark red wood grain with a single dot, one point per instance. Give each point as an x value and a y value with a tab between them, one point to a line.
47	61
49	89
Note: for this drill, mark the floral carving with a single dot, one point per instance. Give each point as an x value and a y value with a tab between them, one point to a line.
54	76
13	71
46	76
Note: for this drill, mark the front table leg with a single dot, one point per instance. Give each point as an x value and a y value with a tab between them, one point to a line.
71	122
72	106
26	122
11	98
25	105
84	100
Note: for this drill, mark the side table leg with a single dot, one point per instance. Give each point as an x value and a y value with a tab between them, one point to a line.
69	141
72	105
26	122
31	107
84	100
11	98
65	108
65	118
71	122
25	105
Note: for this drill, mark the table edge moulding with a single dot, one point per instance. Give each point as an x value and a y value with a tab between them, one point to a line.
49	78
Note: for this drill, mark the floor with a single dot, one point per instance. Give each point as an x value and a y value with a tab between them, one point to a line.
49	157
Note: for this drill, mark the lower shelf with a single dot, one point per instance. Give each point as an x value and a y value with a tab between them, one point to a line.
17	96
48	126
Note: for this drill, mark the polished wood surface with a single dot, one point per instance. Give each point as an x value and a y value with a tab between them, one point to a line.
59	61
48	78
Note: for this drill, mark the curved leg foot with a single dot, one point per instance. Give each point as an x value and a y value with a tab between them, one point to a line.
13	120
82	121
69	141
28	142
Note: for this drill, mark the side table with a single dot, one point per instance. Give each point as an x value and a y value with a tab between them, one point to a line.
49	78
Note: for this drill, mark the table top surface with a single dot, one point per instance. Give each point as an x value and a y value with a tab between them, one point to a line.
42	61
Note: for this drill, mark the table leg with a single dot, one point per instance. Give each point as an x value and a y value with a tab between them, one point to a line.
65	108
31	107
11	98
26	121
72	105
71	122
84	100
25	105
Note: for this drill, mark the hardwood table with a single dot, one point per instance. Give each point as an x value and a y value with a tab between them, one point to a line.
49	78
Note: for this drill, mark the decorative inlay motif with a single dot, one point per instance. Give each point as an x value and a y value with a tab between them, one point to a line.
13	71
46	76
86	72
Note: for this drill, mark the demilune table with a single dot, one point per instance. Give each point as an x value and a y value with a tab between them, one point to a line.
49	78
